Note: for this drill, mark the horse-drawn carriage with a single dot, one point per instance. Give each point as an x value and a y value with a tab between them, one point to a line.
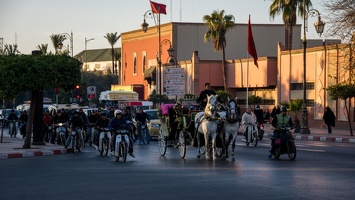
177	125
183	123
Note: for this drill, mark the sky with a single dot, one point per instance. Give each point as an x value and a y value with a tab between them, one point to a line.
29	23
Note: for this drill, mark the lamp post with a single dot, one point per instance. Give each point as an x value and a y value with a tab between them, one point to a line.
60	44
145	28
86	54
319	25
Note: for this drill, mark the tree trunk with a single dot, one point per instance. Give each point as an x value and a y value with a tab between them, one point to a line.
348	113
113	60
38	119
290	34
224	71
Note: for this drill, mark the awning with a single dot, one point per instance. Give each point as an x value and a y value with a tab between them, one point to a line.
148	73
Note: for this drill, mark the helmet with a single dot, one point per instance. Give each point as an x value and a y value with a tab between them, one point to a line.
118	112
284	109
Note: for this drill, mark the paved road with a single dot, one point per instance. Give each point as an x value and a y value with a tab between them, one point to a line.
320	171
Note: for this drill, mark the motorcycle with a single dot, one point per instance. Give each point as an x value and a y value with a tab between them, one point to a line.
90	135
260	131
122	144
60	133
143	135
104	141
250	134
12	128
48	134
285	144
76	142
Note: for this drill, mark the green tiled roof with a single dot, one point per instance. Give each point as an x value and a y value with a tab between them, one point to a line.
96	55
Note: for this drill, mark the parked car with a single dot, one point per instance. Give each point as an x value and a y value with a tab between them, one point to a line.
6	113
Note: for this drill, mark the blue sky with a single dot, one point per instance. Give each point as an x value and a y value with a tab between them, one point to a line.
31	22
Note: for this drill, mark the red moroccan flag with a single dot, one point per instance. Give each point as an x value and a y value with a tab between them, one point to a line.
158	8
251	45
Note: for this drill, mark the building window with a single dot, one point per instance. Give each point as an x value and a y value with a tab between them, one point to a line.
144	62
299	86
134	63
268	102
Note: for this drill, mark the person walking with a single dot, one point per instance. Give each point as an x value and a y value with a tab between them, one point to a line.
329	119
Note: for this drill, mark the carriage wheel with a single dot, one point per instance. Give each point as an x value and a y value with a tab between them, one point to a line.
162	142
182	144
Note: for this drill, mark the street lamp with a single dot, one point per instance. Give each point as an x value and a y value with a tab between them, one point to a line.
319	25
86	54
145	28
65	35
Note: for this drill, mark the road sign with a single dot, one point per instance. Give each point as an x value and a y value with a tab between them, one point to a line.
91	92
174	81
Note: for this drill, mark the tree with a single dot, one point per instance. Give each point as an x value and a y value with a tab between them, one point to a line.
295	105
43	48
56	39
112	38
344	92
157	98
218	24
288	9
36	73
340	17
11	49
117	56
223	96
253	99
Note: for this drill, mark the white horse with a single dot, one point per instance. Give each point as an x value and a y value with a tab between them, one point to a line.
206	124
231	117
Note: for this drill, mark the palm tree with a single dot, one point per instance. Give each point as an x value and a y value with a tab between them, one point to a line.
218	24
11	49
43	48
56	39
112	38
288	8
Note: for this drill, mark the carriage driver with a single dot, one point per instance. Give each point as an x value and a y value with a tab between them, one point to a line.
202	99
117	123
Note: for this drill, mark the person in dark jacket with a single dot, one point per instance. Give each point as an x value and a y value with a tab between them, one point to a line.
142	118
76	124
329	119
202	99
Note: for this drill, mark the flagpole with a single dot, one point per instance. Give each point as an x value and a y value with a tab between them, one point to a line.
247	95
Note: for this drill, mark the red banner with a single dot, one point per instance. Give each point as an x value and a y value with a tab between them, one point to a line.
251	45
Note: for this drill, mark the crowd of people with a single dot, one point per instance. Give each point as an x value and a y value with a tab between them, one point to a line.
97	120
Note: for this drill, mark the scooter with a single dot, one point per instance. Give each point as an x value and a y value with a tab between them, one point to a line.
285	144
122	144
251	134
60	130
260	131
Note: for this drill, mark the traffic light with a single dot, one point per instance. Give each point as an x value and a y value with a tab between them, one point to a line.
77	91
91	96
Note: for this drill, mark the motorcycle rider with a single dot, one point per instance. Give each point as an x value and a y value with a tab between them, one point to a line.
59	118
126	116
102	122
259	113
118	123
111	113
279	121
93	117
23	121
76	124
143	118
248	118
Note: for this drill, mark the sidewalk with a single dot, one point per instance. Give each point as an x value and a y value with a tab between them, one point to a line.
12	147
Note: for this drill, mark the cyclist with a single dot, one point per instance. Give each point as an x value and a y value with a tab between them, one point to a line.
102	122
118	123
76	124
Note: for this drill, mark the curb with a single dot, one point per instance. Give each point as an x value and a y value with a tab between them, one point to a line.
21	154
